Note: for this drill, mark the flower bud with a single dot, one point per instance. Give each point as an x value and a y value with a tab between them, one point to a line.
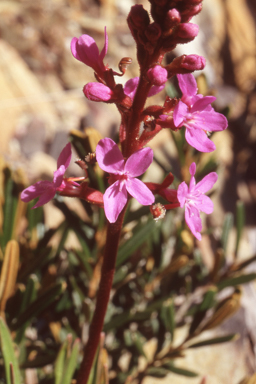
172	19
98	92
185	64
187	31
157	75
139	17
193	63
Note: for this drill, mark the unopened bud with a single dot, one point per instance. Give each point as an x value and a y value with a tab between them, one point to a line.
158	211
98	92
157	75
187	30
172	19
193	63
139	17
185	64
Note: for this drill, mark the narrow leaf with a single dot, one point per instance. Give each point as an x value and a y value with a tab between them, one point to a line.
227	226
72	363
216	340
8	353
240	220
233	281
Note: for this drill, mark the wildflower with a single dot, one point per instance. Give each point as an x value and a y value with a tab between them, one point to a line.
195	201
86	50
123	177
196	114
46	190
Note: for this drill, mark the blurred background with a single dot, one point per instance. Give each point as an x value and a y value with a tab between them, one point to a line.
41	101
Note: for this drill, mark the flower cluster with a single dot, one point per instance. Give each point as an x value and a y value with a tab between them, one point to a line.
170	26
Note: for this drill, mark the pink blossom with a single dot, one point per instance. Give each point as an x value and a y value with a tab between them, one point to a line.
197	115
46	190
194	199
123	177
86	50
131	85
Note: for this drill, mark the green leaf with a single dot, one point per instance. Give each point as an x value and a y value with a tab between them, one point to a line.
41	303
168	316
8	353
216	340
72	363
180	371
240	220
141	234
227	226
139	341
157	372
233	281
60	363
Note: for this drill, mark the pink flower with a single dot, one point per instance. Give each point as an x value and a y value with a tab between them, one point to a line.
86	50
196	114
123	177
195	201
131	85
46	190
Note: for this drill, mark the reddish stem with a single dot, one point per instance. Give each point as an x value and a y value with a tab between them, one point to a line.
107	274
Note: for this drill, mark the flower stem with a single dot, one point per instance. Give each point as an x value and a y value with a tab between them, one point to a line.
107	274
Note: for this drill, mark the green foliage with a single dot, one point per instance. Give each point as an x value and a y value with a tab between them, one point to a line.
158	268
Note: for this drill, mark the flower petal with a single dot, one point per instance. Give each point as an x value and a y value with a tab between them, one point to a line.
105	48
187	84
109	156
35	190
192	169
198	139
155	90
179	113
114	201
193	221
205	204
139	162
45	197
86	50
64	157
58	176
210	121
130	87
140	191
207	182
202	103
182	193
